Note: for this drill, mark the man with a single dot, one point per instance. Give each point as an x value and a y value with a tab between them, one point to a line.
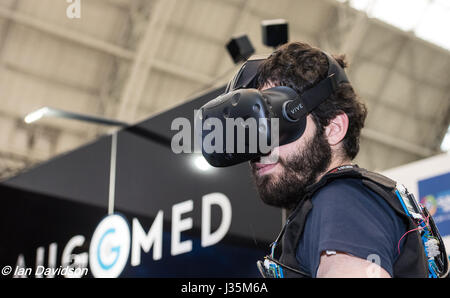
349	225
344	221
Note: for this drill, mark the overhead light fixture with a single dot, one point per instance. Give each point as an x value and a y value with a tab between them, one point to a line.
134	129
51	112
36	115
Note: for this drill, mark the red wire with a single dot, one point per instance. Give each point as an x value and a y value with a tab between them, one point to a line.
416	229
398	245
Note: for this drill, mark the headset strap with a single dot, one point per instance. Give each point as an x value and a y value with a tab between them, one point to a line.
310	99
313	97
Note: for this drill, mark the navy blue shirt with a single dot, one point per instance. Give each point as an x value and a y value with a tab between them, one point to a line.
350	218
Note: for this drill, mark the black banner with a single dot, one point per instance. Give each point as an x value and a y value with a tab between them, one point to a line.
161	216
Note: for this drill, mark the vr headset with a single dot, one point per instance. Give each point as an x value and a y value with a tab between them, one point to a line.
248	123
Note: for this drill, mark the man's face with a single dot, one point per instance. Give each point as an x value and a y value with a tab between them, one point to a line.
282	183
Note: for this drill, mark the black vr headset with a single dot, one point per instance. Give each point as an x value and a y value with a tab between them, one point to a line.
279	114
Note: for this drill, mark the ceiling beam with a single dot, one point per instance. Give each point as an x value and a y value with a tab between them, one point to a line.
144	59
96	44
67	34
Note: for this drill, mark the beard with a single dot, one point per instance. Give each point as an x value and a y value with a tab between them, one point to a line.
299	170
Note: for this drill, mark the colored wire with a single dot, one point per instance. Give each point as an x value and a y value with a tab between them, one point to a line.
425	222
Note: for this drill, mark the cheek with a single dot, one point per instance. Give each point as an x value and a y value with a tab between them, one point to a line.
285	151
310	130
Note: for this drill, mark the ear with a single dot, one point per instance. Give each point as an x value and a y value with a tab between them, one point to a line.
337	129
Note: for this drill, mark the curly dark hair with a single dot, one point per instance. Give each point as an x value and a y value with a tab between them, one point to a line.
299	66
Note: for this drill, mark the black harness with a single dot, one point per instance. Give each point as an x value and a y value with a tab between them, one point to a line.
412	261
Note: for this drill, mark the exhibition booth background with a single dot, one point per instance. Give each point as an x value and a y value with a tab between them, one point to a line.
52	211
49	207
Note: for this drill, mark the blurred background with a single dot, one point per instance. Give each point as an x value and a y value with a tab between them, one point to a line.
131	59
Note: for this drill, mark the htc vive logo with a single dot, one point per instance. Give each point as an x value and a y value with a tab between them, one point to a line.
297	108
